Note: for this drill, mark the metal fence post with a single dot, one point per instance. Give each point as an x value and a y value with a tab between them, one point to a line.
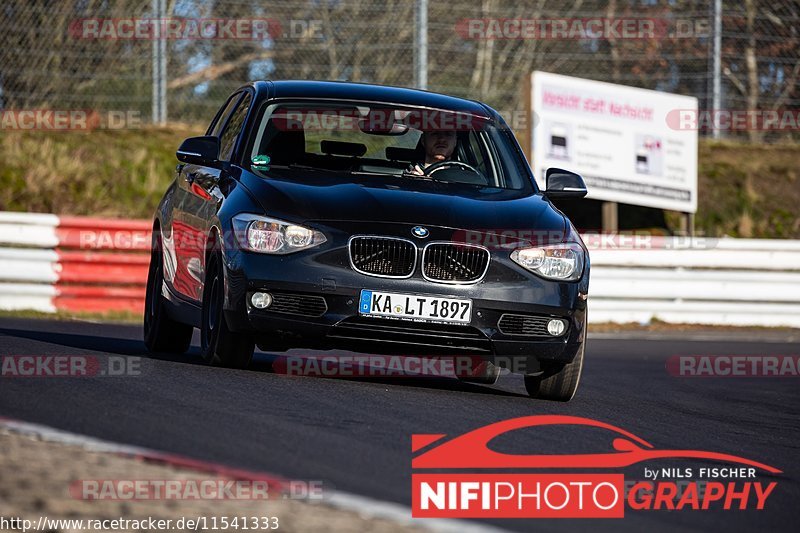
421	45
717	64
159	61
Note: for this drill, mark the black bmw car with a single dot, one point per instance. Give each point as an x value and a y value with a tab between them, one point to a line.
328	215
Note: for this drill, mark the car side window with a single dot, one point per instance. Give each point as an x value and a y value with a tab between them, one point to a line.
227	140
222	115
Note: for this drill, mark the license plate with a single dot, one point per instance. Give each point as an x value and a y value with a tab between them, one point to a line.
415	307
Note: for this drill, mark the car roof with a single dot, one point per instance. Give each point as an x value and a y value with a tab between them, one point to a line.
368	93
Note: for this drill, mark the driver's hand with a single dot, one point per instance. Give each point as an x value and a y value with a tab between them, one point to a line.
416	169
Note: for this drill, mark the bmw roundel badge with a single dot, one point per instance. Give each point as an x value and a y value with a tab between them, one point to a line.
419	232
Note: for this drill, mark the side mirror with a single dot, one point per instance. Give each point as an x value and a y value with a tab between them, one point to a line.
564	184
199	151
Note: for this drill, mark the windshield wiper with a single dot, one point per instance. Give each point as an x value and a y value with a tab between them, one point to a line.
412	175
404	174
296	166
372	173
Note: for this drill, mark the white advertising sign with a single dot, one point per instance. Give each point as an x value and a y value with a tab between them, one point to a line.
618	138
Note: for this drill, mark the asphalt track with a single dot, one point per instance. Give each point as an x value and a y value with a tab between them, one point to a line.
354	434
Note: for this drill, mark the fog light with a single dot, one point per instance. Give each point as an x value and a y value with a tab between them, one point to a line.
556	327
261	300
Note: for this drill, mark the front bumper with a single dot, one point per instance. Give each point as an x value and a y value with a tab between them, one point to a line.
325	272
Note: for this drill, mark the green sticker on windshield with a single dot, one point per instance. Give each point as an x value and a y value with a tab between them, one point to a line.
261	162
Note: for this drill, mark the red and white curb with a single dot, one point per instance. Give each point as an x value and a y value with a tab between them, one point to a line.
364	506
50	263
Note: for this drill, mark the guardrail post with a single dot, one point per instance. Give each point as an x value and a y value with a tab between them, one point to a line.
610	217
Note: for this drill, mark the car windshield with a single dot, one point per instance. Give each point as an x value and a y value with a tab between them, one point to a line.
383	141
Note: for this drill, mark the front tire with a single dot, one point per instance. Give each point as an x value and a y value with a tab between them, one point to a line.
219	345
161	333
560	383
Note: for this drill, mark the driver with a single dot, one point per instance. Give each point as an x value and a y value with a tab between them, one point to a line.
438	145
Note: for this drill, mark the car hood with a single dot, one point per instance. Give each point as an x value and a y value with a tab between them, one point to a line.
398	200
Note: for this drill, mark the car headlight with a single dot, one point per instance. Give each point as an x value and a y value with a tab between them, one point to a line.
559	261
271	236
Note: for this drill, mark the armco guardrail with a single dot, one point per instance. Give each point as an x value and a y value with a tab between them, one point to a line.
736	282
49	263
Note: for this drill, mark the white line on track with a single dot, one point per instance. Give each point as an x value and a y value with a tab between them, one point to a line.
754	337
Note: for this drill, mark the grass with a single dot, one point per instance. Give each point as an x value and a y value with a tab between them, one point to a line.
750	191
120	317
744	190
101	173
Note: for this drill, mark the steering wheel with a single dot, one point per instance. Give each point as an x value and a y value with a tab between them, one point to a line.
444	164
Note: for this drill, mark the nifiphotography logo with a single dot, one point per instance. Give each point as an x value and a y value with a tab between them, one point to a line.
468	479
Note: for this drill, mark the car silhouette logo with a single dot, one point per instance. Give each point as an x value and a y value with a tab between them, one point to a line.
471	449
420	232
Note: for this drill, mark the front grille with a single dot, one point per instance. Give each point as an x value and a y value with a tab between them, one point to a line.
383	256
454	263
411	338
532	326
298	304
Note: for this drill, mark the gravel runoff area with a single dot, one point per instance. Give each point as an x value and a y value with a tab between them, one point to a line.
36	477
